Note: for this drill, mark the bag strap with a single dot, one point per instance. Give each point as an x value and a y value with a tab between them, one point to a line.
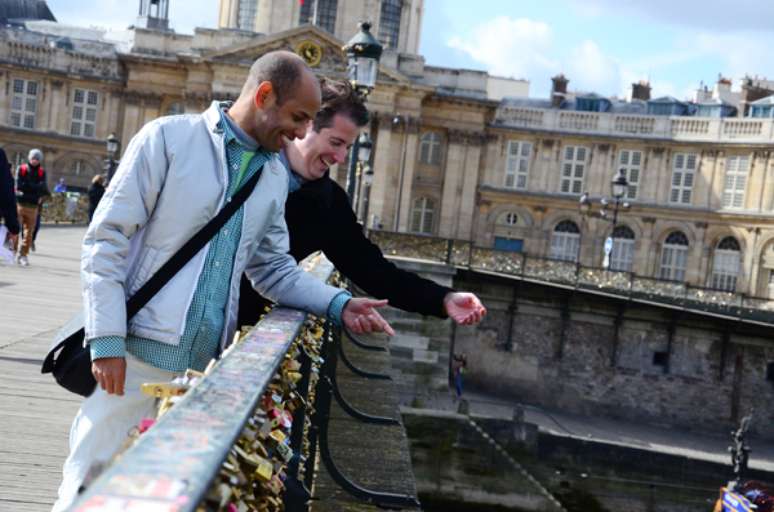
189	250
172	266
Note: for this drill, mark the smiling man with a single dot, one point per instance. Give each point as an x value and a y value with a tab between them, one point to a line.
174	177
319	217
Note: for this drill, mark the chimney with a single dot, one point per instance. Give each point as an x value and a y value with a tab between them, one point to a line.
558	90
641	90
751	91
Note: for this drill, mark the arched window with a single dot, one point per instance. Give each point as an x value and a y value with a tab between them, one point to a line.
509	219
622	255
565	241
430	149
422	215
389	22
725	264
674	256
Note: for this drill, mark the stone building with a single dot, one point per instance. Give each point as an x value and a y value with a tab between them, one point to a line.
457	153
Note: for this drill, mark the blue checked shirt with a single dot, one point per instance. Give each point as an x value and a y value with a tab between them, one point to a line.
206	315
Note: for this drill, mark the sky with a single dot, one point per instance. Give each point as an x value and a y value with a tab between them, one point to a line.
602	46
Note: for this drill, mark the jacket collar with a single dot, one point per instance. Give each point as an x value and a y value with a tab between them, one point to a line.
212	116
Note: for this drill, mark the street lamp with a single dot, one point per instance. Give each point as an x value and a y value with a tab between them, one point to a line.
619	186
112	151
363	54
363	157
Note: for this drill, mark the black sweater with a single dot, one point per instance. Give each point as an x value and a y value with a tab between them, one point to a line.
7	197
319	217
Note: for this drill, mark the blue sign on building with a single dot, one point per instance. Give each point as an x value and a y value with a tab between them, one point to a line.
508	244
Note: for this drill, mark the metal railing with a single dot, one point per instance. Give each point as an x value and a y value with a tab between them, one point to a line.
465	254
187	456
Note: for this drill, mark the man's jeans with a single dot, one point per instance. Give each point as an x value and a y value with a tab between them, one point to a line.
28	215
101	426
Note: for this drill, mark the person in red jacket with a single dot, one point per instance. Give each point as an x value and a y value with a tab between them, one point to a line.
31	188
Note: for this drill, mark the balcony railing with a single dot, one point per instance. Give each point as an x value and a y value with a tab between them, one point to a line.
699	129
465	254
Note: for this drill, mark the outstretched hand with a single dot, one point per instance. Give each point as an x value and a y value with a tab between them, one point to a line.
464	308
360	316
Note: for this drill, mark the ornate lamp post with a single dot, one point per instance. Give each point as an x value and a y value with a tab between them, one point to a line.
618	188
363	54
112	150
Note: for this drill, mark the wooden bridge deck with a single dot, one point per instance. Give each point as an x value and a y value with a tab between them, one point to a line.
35	414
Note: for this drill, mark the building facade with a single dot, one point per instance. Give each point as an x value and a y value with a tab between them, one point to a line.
457	153
396	22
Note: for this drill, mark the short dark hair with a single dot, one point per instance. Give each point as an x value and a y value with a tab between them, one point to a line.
282	68
339	97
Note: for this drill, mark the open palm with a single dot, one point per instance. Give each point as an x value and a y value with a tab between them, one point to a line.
464	308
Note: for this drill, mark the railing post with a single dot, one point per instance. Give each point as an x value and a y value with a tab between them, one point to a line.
523	264
470	254
449	246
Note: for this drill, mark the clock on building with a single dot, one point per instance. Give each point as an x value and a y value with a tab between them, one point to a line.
310	52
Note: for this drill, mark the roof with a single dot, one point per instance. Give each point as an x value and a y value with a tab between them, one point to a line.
12	10
665	99
768	100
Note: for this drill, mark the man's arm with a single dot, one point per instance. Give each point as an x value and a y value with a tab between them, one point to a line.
276	275
363	262
130	200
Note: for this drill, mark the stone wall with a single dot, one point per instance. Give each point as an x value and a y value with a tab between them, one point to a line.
565	354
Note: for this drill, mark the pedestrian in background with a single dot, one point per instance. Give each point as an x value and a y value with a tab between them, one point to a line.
96	191
31	188
8	200
459	364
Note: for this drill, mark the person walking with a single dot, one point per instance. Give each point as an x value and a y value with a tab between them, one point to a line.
459	365
174	177
96	191
31	188
8	213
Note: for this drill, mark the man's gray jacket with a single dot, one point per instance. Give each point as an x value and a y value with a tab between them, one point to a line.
172	180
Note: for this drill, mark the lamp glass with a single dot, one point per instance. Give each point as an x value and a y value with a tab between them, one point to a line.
362	71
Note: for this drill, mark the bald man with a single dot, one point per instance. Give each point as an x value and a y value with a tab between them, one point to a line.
174	177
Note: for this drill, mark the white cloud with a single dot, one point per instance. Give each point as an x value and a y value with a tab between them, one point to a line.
592	70
518	48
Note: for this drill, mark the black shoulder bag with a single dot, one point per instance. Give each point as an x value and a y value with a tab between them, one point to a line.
69	358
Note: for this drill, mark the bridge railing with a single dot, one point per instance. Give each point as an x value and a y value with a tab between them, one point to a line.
247	436
465	254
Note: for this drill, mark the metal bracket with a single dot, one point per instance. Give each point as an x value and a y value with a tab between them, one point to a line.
363	345
357	371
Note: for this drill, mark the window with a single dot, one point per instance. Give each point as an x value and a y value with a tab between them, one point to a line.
509	219
735	182
630	162
248	9
517	164
565	241
319	12
674	256
175	109
422	216
389	22
17	159
683	170
84	113
430	149
24	103
725	264
573	169
622	255
77	167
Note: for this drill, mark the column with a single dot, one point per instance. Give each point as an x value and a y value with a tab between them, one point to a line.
408	165
756	181
452	177
469	186
383	169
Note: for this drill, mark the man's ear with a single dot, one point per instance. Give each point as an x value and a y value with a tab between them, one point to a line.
264	95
